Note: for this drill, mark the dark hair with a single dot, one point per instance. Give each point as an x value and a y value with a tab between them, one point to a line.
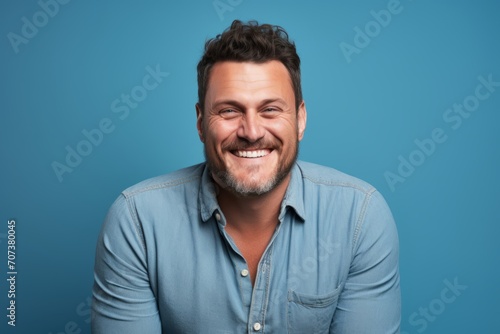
250	42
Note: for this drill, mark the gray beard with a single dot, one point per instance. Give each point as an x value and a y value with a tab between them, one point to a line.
230	183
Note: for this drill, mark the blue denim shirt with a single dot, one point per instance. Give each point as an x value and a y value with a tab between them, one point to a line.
165	263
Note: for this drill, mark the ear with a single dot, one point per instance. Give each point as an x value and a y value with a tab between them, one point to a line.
199	122
301	120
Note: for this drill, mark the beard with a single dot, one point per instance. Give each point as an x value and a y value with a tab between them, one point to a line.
256	187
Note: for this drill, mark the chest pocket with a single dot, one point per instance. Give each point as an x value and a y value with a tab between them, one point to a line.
310	313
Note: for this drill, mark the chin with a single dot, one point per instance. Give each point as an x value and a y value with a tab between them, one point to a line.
250	186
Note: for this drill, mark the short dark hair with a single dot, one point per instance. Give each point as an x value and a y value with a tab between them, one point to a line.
250	42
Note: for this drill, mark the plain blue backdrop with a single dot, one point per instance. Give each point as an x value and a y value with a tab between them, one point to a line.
379	78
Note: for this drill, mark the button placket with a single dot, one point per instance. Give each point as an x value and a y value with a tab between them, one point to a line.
260	295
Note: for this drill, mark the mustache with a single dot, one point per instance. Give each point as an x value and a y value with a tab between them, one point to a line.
240	144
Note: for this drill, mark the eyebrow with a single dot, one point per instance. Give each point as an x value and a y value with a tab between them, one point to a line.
240	105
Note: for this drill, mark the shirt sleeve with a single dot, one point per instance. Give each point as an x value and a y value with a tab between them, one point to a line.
123	301
371	300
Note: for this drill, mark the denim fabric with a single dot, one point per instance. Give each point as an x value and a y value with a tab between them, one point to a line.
165	264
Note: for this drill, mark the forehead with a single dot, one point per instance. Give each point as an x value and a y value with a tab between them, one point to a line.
244	78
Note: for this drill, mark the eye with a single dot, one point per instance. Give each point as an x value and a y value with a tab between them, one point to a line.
270	111
228	113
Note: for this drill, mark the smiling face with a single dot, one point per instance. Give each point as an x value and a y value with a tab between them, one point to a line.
250	127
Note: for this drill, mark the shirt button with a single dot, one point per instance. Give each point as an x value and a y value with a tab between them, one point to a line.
244	273
217	216
257	327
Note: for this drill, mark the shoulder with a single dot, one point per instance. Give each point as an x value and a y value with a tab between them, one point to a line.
182	177
332	179
352	200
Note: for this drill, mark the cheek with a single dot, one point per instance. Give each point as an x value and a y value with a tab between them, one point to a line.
214	140
285	131
219	132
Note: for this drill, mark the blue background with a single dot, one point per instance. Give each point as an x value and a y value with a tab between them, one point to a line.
363	114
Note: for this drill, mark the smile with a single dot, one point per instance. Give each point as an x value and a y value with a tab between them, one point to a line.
252	154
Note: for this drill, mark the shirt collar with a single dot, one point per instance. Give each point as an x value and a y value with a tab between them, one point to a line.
207	196
294	195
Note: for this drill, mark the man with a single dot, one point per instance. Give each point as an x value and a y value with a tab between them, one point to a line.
251	240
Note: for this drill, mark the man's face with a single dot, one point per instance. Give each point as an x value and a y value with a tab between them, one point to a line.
250	127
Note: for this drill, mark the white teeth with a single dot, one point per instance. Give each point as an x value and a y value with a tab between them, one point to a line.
251	154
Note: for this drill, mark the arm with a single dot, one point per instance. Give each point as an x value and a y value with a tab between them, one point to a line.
123	301
370	301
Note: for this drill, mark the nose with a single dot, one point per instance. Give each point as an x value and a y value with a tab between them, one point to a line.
251	127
